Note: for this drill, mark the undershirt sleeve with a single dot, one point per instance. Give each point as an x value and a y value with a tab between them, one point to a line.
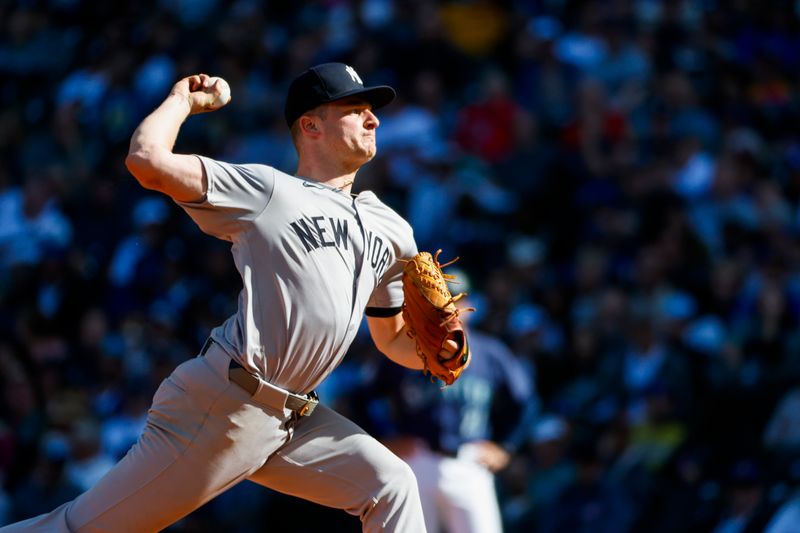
382	312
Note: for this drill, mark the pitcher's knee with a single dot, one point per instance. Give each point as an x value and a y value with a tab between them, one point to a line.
399	482
396	507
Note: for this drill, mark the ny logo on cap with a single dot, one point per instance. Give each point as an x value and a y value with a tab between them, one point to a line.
353	74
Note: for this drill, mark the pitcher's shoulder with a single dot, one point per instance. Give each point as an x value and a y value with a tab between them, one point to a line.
377	207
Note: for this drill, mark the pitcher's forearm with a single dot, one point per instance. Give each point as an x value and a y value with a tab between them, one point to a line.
159	130
151	160
403	350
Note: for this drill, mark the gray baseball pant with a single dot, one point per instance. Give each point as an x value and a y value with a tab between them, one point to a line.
205	434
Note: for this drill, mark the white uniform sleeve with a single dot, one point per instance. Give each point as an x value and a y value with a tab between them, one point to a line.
236	194
389	292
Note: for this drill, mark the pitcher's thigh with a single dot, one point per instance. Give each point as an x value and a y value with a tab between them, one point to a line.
187	454
333	462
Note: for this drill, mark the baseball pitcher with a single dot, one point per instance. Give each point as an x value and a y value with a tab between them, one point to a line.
314	259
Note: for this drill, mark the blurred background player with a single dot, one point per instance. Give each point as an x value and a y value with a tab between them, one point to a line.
457	437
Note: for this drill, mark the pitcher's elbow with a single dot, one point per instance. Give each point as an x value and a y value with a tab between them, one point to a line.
140	166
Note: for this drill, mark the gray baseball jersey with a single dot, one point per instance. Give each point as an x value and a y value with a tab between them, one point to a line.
311	258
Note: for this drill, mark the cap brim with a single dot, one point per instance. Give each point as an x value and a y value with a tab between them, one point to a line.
378	96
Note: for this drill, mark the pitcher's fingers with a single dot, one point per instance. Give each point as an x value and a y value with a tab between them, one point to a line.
195	82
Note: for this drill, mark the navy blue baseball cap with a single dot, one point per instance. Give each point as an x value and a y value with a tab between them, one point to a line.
328	82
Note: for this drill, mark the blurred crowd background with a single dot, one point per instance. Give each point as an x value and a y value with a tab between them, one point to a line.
621	179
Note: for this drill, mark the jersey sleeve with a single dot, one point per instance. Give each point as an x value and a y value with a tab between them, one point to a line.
387	297
236	194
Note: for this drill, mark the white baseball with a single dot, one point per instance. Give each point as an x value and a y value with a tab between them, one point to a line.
222	97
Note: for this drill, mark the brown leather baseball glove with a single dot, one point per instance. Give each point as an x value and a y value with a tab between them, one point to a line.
432	317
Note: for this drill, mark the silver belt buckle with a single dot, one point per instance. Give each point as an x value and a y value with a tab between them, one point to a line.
306	408
311	402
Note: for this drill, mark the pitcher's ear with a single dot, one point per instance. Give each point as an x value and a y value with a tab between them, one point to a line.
308	124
